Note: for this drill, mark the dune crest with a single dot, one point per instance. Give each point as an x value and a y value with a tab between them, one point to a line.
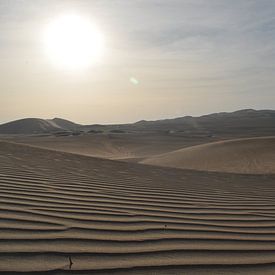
248	155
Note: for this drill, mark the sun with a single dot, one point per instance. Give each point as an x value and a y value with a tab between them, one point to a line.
73	42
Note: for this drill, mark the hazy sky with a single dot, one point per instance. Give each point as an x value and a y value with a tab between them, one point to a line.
190	57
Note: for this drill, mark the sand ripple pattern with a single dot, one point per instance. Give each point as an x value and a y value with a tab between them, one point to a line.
68	214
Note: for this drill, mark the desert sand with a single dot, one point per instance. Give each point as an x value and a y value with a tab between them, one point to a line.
127	146
242	155
247	155
64	213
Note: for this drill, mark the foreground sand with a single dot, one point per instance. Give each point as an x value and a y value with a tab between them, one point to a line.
113	217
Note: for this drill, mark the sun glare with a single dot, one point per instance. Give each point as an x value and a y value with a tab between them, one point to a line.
73	42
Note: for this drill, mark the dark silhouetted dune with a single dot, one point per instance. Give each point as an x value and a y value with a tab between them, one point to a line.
29	126
65	124
251	155
243	123
69	214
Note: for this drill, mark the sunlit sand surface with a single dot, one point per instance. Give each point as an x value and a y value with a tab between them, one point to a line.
247	155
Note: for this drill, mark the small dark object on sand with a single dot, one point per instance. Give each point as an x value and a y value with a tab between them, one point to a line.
71	262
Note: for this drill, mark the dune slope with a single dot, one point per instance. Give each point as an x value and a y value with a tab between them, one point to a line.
63	213
111	146
29	126
250	155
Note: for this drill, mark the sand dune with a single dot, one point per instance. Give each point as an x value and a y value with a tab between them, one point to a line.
66	213
250	155
130	146
37	126
242	123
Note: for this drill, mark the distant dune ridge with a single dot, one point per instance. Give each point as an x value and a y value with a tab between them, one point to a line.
70	214
244	122
37	126
251	155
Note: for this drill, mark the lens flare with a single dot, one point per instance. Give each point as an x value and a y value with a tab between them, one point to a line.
134	81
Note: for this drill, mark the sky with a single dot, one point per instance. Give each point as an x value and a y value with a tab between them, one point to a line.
162	59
